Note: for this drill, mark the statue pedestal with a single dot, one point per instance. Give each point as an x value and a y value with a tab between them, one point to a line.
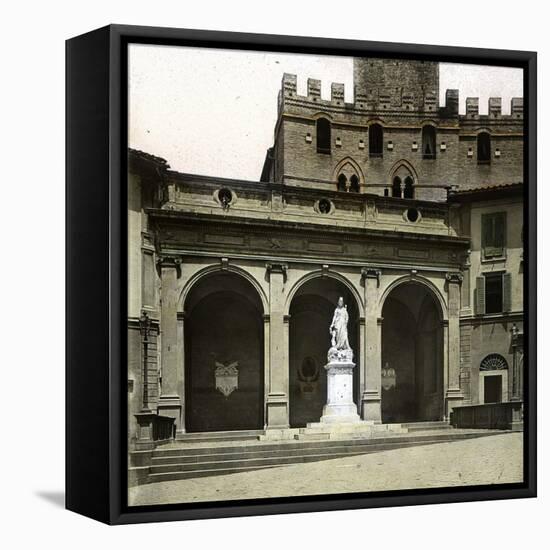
340	407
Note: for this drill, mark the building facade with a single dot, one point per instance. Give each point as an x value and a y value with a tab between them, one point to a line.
409	211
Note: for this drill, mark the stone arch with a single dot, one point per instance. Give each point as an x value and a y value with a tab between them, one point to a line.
400	167
419	280
376	120
403	172
213	269
412	351
310	308
428	122
224	332
330	274
322	114
483	130
349	167
493	361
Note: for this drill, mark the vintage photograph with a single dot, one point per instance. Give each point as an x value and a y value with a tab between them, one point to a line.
325	275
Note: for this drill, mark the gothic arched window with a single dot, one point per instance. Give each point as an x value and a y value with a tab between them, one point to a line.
408	192
354	184
342	182
396	187
323	135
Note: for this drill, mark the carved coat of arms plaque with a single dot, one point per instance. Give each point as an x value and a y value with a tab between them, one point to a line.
389	379
227	377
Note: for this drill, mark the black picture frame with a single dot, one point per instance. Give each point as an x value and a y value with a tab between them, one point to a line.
96	172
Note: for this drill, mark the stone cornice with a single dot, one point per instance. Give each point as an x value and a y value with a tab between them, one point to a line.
269	225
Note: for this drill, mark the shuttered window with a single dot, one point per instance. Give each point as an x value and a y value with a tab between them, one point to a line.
507	292
493	293
479	296
493	234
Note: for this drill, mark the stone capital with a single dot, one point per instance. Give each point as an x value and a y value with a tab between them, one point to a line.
454	277
170	262
371	273
281	268
224	264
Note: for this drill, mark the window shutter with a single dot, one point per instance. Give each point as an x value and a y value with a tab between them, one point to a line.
480	296
500	233
486	226
507	292
493	234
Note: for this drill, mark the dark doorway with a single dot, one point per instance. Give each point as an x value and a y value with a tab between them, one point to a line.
223	332
311	313
492	389
412	356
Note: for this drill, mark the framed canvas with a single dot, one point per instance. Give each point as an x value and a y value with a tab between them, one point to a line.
301	274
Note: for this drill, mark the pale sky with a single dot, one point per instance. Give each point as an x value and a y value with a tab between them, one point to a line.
213	112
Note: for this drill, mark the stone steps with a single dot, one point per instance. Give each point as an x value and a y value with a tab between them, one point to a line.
427	426
202	437
322	431
191	461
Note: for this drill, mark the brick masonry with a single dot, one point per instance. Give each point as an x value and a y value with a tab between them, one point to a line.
402	96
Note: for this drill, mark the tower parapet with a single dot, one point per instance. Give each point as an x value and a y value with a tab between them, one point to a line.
494	111
451	102
382	100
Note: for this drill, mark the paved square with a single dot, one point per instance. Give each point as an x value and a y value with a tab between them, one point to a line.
492	459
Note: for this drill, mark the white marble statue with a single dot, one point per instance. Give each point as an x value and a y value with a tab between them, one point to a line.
339	326
340	407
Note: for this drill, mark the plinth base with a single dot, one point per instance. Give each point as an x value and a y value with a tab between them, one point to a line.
340	414
340	408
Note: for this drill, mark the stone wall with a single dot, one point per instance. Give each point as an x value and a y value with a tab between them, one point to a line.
403	97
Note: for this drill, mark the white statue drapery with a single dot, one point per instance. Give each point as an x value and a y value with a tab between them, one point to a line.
339	326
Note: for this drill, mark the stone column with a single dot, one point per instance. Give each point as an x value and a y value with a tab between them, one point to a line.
371	398
277	406
171	397
453	394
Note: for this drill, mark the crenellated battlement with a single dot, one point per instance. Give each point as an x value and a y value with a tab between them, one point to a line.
289	91
383	100
494	111
392	100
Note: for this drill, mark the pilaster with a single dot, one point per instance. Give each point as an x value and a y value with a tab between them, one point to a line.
277	401
371	398
453	392
171	397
